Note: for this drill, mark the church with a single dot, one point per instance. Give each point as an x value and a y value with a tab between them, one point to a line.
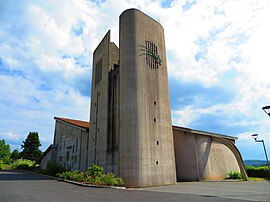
130	132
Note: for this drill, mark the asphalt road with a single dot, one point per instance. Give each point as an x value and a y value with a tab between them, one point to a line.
21	186
252	191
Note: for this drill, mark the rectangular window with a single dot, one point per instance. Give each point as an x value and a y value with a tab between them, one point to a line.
69	147
60	158
77	140
98	71
67	156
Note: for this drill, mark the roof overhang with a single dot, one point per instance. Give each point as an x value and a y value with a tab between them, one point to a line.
198	132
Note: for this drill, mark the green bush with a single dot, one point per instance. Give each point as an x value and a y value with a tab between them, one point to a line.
94	171
111	180
1	164
53	168
261	171
23	164
234	175
72	175
93	175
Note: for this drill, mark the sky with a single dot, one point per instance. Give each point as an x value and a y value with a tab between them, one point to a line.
217	52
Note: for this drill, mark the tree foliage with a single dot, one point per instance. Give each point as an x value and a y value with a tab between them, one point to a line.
15	154
4	151
31	147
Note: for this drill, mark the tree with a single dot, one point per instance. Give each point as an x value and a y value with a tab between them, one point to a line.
4	151
31	147
15	154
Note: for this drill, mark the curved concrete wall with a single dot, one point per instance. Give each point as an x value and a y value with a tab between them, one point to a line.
202	157
146	141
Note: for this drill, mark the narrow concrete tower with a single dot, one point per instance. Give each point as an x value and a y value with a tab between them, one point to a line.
146	155
103	134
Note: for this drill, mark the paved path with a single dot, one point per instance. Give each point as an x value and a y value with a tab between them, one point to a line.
254	191
21	186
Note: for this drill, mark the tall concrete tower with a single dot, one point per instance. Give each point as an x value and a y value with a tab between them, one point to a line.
103	132
131	129
146	152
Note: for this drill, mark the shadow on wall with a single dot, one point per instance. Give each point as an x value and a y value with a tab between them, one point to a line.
203	145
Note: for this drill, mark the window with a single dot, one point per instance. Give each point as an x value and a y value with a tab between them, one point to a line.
68	155
157	142
98	71
60	158
77	140
69	147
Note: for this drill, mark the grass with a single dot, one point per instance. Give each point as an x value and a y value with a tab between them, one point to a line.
258	179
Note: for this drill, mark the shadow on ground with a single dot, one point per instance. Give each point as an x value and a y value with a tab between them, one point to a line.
8	175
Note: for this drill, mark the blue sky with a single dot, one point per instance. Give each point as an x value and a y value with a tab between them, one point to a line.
217	54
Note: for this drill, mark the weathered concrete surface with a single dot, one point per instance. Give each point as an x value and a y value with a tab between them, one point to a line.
203	157
146	141
72	144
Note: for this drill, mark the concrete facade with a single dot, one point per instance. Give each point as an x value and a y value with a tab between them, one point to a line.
104	107
131	131
71	139
205	156
49	155
146	141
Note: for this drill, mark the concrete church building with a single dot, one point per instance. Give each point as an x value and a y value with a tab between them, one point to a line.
131	132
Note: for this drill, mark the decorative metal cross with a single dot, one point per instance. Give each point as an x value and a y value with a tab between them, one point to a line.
149	52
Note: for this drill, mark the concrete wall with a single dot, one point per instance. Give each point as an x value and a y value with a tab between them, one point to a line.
45	159
51	155
99	105
146	141
104	123
198	157
71	149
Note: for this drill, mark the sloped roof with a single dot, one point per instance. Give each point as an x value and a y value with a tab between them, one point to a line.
82	124
199	132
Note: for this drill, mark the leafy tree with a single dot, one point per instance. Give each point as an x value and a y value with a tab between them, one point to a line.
4	151
15	154
31	147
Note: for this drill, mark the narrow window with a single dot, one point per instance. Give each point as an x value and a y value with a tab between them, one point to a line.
157	142
157	162
155	120
77	140
155	103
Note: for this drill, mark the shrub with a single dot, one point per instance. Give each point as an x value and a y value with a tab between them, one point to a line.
111	180
72	175
234	175
53	168
23	164
93	175
94	171
261	171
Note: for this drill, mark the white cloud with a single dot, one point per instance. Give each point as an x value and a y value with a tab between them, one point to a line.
9	136
46	54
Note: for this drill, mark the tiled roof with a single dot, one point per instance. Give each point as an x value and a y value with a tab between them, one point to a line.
83	124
